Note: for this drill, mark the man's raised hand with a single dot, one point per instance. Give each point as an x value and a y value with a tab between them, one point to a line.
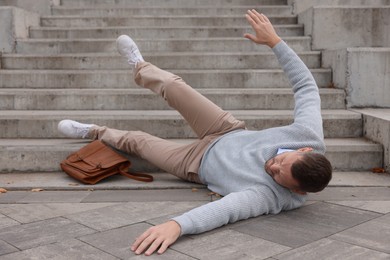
264	31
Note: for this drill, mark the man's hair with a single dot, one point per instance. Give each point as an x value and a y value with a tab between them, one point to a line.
312	171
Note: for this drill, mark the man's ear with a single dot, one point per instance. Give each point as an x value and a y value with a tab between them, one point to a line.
299	192
305	149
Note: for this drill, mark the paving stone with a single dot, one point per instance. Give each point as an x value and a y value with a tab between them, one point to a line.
128	213
43	232
299	227
165	218
149	195
374	234
55	196
351	193
228	244
7	222
12	196
69	249
117	242
6	248
331	249
376	206
27	213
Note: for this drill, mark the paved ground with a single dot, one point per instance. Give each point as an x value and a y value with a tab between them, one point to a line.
339	223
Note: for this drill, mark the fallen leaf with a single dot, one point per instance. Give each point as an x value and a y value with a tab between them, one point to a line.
73	184
214	194
3	190
194	189
36	190
378	170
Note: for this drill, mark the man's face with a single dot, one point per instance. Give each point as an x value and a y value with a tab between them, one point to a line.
279	168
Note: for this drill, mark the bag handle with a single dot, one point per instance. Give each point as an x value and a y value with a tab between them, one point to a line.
135	176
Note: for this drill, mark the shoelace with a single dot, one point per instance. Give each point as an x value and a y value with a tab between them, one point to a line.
80	131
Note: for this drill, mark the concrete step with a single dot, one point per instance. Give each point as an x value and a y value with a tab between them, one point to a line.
55	181
148	20
124	78
56	46
162	123
30	155
143	99
355	159
114	10
171	3
184	60
158	32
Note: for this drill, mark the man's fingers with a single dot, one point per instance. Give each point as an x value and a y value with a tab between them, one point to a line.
142	247
265	18
143	241
260	16
250	20
250	36
253	16
164	247
139	240
156	243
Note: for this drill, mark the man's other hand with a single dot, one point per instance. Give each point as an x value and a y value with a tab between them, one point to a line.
160	236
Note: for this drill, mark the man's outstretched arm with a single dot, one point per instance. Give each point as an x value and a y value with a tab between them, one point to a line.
229	209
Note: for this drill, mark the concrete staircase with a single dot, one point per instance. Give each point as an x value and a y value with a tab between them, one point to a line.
69	68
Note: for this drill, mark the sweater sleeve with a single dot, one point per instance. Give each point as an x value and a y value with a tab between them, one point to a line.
231	208
307	111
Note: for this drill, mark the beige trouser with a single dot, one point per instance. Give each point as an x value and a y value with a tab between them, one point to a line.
206	119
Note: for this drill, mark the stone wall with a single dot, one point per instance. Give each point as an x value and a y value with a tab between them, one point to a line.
42	7
15	23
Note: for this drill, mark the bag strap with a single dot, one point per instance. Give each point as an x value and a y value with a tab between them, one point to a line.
123	169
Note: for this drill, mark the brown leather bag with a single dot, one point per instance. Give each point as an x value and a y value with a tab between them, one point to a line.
96	161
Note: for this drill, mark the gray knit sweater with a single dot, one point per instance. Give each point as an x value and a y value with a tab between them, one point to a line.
233	165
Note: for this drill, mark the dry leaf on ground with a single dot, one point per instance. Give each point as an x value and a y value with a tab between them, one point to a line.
214	194
3	190
36	190
378	170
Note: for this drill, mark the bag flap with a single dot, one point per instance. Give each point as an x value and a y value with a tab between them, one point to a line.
82	165
105	159
91	148
97	155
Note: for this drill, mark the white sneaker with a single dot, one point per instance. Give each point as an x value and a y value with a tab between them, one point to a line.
73	129
128	49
